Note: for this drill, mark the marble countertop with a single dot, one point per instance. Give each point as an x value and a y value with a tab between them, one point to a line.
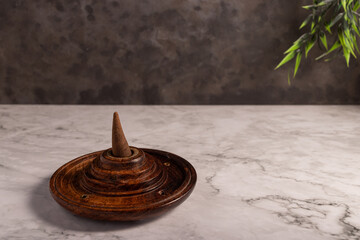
264	172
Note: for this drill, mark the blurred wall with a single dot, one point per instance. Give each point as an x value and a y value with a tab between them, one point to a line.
161	52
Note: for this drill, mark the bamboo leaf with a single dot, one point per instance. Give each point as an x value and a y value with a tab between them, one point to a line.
355	44
356	30
336	19
350	16
336	45
356	6
307	7
297	63
294	47
347	33
346	41
309	46
302	38
325	16
328	28
341	38
343	3
305	22
286	59
349	2
347	56
338	7
289	78
321	3
324	41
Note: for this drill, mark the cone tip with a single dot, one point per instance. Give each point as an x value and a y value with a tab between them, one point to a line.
116	115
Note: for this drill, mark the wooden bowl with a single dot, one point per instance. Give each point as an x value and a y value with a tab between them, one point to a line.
102	186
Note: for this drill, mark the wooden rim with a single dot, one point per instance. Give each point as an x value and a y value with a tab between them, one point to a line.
173	180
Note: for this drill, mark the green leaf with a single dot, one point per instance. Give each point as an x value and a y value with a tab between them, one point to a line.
297	63
328	28
302	38
356	6
307	7
321	3
306	21
333	21
309	46
349	2
350	16
294	47
336	19
336	45
347	33
289	78
355	29
355	43
343	3
324	17
324	41
347	56
287	58
337	7
344	37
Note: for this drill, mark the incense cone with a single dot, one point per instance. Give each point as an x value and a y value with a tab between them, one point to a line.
120	147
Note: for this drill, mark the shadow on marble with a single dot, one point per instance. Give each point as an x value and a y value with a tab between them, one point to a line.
46	209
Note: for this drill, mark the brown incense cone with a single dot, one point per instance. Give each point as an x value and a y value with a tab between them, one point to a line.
120	147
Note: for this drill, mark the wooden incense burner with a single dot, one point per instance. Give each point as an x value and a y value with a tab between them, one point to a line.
123	183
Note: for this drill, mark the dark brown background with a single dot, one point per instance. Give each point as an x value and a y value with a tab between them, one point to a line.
161	52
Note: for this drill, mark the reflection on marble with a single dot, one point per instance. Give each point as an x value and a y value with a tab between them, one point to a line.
264	172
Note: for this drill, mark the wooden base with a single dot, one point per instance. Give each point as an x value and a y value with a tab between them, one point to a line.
104	187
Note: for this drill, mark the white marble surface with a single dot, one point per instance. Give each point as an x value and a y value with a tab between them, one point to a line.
264	172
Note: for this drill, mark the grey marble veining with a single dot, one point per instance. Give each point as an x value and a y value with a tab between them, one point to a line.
264	172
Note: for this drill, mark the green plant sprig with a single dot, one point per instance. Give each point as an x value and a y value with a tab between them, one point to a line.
326	17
